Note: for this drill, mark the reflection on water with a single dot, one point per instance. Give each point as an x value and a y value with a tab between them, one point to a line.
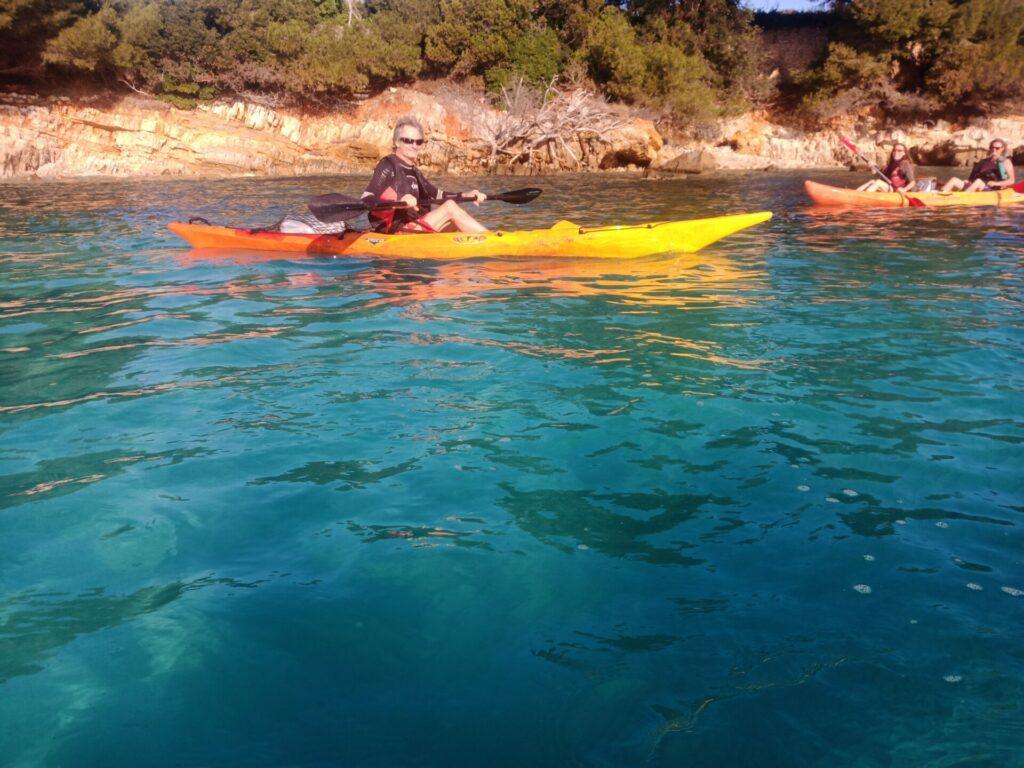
640	281
758	504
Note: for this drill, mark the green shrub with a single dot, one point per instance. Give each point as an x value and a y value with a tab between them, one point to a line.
696	59
88	44
921	56
677	80
330	60
983	65
184	95
614	56
536	55
473	35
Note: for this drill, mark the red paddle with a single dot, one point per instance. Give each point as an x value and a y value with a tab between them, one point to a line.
913	202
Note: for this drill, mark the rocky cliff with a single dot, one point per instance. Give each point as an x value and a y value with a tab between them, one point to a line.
133	136
753	142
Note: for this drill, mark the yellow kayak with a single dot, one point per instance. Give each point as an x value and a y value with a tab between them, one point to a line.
823	194
563	240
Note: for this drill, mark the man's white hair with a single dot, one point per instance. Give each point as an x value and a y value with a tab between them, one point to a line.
406	122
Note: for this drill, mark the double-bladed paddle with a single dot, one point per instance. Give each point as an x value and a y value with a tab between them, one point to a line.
913	202
516	196
335	207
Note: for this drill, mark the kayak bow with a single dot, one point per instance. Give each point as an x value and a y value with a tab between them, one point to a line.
563	240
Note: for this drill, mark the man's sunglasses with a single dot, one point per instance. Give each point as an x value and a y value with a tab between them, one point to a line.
417	142
997	146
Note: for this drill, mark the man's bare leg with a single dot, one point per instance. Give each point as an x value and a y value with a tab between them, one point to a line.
451	212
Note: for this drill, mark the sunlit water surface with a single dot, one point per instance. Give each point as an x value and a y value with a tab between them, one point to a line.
760	506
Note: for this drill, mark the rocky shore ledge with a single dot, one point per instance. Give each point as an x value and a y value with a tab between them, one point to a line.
135	136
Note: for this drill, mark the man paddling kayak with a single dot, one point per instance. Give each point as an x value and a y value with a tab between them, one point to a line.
990	173
397	179
899	170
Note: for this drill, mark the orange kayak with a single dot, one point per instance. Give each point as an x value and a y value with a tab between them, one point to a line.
563	240
823	194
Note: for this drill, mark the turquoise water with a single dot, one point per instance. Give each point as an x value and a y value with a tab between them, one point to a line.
761	506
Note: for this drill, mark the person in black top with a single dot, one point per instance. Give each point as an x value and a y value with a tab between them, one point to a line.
899	169
396	178
989	173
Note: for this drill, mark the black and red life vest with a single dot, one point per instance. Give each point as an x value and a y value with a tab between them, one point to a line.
392	180
989	169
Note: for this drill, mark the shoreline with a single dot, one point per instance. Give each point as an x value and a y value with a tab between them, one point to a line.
857	176
653	176
50	138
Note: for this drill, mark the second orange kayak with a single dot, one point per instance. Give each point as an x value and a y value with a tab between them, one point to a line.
823	194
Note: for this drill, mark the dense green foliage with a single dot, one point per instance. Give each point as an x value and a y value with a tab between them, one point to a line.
919	57
692	59
643	52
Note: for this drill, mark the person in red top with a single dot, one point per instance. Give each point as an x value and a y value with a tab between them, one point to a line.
396	178
899	169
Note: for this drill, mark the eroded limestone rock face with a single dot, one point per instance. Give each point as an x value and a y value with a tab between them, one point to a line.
752	142
136	137
140	137
967	146
691	161
636	144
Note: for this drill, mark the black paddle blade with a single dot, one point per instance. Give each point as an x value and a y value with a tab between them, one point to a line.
335	207
517	196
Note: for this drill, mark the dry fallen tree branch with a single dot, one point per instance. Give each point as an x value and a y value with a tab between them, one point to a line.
561	126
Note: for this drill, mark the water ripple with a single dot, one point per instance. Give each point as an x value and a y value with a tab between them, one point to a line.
759	500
